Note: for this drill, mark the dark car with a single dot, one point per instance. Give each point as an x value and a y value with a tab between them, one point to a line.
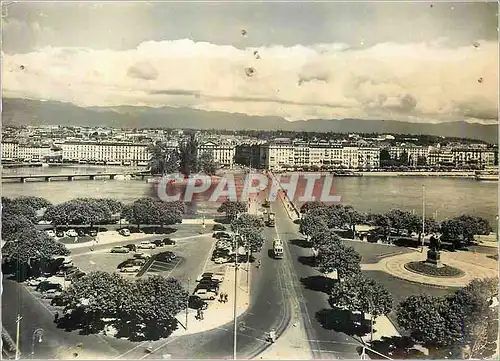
80	232
196	303
166	256
210	280
92	233
158	242
60	233
74	275
210	286
168	242
131	247
47	285
58	301
218	227
64	271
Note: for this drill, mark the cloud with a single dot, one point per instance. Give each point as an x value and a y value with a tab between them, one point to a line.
417	82
143	70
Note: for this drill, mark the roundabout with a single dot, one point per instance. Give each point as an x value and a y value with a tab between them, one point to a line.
461	267
425	269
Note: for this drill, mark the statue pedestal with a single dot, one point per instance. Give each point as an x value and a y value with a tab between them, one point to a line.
434	258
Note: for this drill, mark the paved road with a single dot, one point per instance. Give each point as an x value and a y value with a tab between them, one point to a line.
17	299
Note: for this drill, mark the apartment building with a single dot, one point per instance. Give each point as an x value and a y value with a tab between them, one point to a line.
10	150
280	154
222	153
105	152
413	154
25	152
368	157
440	158
473	157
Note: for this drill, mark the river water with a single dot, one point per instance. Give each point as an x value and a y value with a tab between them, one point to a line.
448	197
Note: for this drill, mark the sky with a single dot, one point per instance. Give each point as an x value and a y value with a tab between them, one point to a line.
409	61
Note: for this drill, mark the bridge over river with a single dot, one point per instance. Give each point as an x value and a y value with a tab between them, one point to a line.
70	177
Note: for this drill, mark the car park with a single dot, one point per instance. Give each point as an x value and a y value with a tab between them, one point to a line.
141	255
120	250
66	271
50	233
131	247
34	282
74	275
168	241
57	300
71	233
146	245
166	257
124	232
212	287
204	294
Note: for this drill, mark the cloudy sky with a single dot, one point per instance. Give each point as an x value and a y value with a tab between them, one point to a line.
425	62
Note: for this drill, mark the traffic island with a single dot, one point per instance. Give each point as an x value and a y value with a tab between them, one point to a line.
427	269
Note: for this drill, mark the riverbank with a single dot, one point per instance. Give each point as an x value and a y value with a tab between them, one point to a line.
461	174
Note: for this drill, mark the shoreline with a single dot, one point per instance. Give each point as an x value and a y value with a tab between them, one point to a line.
462	174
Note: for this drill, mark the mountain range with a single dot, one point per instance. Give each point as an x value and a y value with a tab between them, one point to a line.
16	111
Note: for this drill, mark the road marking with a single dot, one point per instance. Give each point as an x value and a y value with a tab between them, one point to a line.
132	349
159	347
172	270
208	256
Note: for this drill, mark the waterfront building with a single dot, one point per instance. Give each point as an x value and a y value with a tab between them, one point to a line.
222	153
440	158
368	157
473	157
415	155
10	150
105	152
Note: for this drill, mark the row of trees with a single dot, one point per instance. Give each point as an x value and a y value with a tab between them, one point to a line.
186	159
141	309
458	231
463	323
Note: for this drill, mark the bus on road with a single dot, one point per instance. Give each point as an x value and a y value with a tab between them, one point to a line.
278	249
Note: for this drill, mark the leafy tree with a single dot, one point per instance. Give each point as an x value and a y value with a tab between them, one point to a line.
311	225
36	203
13	224
421	161
247	221
207	164
338	257
164	159
148	210
232	209
462	229
403	158
31	244
307	206
381	221
361	294
326	238
156	302
354	217
430	320
188	155
252	238
479	320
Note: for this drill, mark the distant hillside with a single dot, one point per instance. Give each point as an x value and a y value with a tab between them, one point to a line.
34	112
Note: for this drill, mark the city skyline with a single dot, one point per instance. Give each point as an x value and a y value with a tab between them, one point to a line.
419	62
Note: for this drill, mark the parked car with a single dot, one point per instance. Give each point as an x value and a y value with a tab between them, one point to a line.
52	293
131	247
221	260
93	233
196	303
50	233
120	250
71	233
47	285
217	276
209	282
130	268
124	232
168	241
66	271
57	300
158	242
80	232
60	234
204	294
74	275
218	227
212	287
166	256
34	282
146	245
141	255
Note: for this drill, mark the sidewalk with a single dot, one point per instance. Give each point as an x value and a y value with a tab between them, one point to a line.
382	327
218	314
291	345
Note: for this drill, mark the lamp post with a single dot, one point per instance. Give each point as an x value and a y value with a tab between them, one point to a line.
423	218
18	322
187	302
235	316
37	336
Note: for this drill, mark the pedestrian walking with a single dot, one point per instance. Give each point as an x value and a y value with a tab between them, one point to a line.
198	314
56	316
259	263
202	314
225	297
221	297
272	335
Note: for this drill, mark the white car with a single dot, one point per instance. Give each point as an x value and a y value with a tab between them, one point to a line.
221	260
217	276
124	232
50	233
36	281
146	245
205	294
71	233
133	269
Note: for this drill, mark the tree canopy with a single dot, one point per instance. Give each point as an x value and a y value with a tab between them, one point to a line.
232	208
336	256
310	225
149	210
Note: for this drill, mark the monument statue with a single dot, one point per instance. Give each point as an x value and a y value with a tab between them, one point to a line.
433	254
